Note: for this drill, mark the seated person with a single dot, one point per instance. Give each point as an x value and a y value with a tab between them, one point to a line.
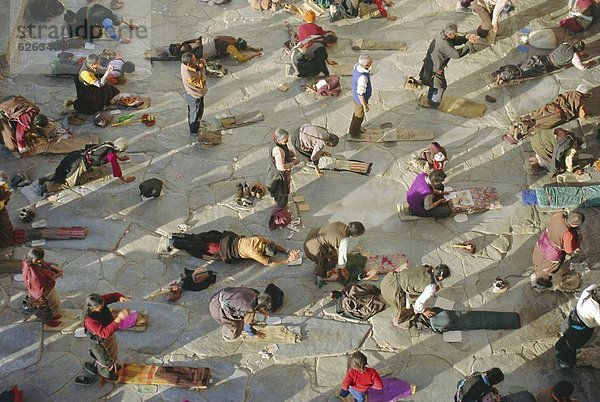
555	150
309	28
230	247
20	122
479	387
537	66
350	8
93	93
91	21
425	196
434	157
79	167
310	57
311	142
119	66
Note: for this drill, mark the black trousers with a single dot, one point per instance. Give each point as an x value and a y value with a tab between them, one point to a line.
195	108
575	336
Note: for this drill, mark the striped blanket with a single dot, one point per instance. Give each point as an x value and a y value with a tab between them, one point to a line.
189	377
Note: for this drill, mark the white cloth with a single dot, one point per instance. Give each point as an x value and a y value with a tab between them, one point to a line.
588	309
427	294
343	252
577	62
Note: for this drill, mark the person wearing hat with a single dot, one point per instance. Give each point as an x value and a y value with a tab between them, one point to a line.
448	45
309	28
563	108
6	227
79	168
20	120
537	66
40	280
279	175
311	141
560	238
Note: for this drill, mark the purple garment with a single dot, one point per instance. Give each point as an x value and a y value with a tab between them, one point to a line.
417	192
549	250
129	321
394	389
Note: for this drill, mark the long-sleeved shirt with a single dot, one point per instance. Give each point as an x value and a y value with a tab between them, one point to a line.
343	252
194	82
362	381
445	49
252	247
309	29
102	324
38	279
107	23
498	6
113	159
361	83
588	309
279	156
312	139
427	294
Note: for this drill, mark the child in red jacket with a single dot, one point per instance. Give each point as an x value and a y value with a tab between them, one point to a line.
359	378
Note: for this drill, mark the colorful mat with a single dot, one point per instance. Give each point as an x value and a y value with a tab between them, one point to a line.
475	199
456	106
189	377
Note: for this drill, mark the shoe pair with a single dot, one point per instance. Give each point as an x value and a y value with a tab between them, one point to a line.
242	195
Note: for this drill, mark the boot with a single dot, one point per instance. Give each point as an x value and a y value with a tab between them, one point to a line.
194	127
239	192
246	191
355	126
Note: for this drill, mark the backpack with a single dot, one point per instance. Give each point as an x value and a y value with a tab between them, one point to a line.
360	301
94	154
150	188
198	279
276	296
331	88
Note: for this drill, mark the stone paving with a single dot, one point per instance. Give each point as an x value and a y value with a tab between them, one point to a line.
120	253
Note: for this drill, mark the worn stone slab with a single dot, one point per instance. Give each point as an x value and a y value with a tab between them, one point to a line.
20	346
57	374
295	377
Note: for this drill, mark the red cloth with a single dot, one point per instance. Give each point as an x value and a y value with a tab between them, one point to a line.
213	248
102	323
23	125
38	279
113	159
362	381
309	29
381	8
570	242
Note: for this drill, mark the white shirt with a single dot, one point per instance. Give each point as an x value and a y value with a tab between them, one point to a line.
343	252
428	293
588	309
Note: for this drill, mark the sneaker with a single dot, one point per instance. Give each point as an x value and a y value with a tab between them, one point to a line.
239	192
246	191
90	368
85	380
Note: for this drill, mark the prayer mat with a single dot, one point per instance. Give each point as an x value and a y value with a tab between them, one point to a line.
456	106
405	215
474	199
394	389
490	79
10	266
71	320
64	145
189	377
241	120
274	334
210	138
382	264
563	196
463	320
341	70
393	135
370	44
62	233
342	165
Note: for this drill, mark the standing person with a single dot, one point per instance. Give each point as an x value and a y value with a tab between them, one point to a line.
560	238
93	93
234	309
283	159
578	327
193	76
414	285
22	119
40	281
359	378
479	387
361	92
6	228
328	244
425	196
560	392
489	13
311	142
441	50
100	327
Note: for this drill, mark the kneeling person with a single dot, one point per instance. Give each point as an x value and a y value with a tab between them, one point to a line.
311	142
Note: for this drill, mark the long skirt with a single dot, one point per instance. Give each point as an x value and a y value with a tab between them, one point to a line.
92	99
105	354
53	302
6	229
279	187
